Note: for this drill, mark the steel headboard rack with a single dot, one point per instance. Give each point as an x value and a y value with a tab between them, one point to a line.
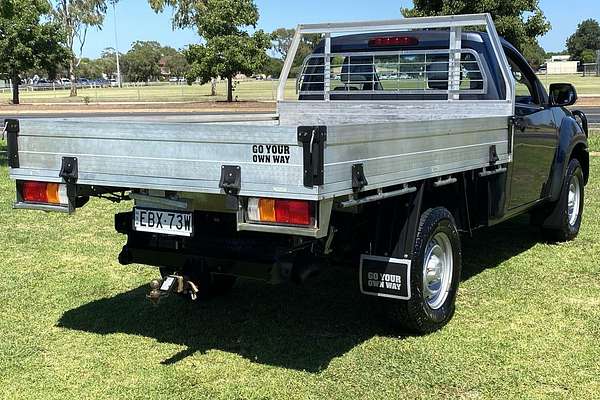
455	24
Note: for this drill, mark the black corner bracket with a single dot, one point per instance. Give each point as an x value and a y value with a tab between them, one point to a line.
359	180
313	140
69	170
11	128
493	155
231	183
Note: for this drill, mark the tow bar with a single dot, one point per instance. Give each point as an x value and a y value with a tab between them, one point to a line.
161	288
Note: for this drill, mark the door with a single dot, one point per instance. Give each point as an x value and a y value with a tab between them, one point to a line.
536	136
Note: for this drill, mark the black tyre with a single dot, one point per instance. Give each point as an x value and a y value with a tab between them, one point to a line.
209	285
434	275
569	207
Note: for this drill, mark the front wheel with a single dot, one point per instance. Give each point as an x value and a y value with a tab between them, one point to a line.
569	206
434	276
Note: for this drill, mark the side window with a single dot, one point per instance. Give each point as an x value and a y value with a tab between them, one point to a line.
524	87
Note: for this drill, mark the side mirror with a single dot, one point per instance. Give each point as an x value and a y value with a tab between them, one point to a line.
562	94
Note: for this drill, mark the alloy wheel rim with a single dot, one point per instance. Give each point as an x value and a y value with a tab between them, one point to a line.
437	270
574	201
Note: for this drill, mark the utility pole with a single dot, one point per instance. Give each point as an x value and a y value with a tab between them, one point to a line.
119	80
598	62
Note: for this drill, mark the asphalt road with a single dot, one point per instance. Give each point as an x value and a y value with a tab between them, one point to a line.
593	114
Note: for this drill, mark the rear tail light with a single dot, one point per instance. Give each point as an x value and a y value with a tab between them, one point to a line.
285	212
45	193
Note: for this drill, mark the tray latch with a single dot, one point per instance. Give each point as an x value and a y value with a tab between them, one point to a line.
231	183
359	180
313	140
493	155
69	170
11	128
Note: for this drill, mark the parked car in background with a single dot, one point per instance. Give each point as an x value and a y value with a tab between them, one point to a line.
83	82
100	83
42	83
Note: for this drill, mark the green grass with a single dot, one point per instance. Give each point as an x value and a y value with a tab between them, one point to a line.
75	324
250	90
589	85
594	140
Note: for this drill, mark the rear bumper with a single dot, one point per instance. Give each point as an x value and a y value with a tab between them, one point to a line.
216	247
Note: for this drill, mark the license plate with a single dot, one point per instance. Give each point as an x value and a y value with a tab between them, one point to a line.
163	221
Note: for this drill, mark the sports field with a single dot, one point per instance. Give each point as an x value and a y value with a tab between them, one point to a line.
248	90
75	324
589	85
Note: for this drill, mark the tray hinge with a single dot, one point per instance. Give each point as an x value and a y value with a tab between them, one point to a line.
11	128
313	140
359	180
231	183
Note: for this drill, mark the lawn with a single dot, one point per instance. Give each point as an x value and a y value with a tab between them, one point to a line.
248	90
594	140
589	85
75	324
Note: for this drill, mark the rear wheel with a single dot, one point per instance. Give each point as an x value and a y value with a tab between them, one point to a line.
570	206
209	285
434	276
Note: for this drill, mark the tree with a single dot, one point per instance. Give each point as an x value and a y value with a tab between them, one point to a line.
534	54
588	57
28	40
587	37
108	62
550	54
77	16
228	48
273	67
520	22
174	61
282	41
141	62
88	68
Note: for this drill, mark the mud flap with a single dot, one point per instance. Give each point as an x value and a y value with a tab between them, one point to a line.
385	277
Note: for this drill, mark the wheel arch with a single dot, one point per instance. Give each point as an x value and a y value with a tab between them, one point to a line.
572	143
581	152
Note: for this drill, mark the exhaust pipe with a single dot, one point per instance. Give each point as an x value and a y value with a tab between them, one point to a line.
297	271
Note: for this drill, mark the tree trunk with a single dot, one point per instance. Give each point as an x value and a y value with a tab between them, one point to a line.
72	78
230	89
15	89
213	87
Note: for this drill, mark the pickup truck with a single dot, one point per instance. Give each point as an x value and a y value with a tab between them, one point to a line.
402	136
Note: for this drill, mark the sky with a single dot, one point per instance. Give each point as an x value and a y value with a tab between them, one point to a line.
136	21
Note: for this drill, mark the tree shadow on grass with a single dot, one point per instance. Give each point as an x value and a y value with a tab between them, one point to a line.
296	327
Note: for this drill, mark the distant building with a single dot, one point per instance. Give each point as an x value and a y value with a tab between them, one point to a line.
561	65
